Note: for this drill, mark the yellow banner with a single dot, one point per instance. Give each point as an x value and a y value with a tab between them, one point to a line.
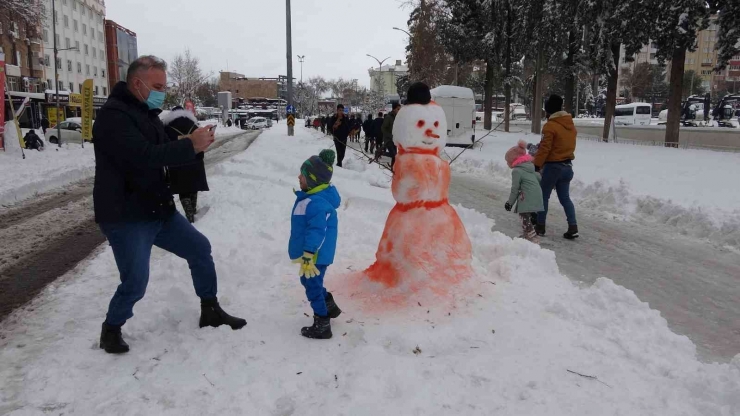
52	115
87	109
75	100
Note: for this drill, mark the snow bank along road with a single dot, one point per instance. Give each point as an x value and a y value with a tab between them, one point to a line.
45	237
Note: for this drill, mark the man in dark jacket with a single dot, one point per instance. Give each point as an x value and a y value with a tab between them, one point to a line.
387	130
44	124
377	144
133	202
33	141
340	128
367	127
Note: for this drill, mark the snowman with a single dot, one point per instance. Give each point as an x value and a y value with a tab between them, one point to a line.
424	243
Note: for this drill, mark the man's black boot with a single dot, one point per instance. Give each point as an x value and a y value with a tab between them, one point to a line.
211	314
331	306
539	229
321	328
111	340
572	233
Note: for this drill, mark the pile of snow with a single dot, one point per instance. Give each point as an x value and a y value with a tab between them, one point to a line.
40	171
691	190
55	167
511	343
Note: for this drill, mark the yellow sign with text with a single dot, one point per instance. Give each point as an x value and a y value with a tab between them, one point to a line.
87	109
54	117
75	100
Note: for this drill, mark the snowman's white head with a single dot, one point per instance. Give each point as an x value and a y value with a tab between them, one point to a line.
420	128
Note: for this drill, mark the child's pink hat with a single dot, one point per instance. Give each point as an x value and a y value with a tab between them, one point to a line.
516	152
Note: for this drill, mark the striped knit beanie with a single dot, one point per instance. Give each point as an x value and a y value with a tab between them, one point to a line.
318	169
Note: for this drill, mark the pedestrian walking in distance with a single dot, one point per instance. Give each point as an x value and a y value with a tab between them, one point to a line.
387	131
313	238
340	128
367	127
526	195
133	201
190	178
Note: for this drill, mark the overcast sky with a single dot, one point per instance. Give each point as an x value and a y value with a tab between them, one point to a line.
250	34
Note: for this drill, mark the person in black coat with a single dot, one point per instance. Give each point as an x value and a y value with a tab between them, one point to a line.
377	133
190	178
133	202
367	127
44	124
33	141
340	128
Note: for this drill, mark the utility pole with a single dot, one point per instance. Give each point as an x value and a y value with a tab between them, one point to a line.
289	55
301	58
56	70
380	69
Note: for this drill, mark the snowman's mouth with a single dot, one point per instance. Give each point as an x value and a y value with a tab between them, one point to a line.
428	143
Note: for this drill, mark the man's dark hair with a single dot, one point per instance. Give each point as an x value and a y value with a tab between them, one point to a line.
144	63
395	105
380	114
340	106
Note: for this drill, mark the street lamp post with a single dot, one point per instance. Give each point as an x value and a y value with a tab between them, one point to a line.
380	67
289	56
301	58
56	70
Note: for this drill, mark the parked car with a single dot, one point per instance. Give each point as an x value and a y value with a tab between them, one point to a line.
256	123
71	132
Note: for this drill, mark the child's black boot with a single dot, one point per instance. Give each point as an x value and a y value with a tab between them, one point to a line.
331	306
321	328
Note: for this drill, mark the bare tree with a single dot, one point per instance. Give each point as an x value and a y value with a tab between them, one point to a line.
27	11
186	76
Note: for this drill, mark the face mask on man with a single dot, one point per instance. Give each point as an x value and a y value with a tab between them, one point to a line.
155	99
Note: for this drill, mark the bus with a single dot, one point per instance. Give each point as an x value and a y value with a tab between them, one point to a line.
635	114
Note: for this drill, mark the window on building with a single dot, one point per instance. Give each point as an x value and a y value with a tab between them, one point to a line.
60	85
83	10
652	56
46	35
92	33
84	29
69	65
87	69
64	2
67	43
59	63
706	50
66	21
58	39
48	83
100	36
87	50
102	73
76	26
71	87
79	68
77	45
80	87
95	52
95	71
105	91
96	90
46	60
74	4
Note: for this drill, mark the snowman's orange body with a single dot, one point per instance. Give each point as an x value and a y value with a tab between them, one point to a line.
424	243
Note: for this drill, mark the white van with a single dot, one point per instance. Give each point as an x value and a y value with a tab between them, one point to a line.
458	104
637	114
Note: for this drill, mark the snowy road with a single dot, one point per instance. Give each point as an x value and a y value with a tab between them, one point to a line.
694	284
51	233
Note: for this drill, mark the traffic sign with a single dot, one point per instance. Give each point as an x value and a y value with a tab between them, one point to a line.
346	110
290	109
291	120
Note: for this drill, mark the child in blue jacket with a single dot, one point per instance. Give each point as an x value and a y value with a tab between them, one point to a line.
313	238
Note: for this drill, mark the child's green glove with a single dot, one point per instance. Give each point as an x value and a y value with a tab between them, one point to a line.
308	265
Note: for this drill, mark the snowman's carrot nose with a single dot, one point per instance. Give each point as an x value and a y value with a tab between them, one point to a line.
430	133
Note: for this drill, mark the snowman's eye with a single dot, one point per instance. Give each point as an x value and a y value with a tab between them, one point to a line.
420	124
436	124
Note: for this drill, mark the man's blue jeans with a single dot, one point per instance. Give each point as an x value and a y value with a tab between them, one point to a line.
315	292
558	176
132	247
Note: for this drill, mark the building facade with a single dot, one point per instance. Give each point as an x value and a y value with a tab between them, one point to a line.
242	87
20	41
80	38
121	50
384	78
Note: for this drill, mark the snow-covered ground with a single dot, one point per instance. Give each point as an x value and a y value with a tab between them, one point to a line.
691	190
53	168
509	341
